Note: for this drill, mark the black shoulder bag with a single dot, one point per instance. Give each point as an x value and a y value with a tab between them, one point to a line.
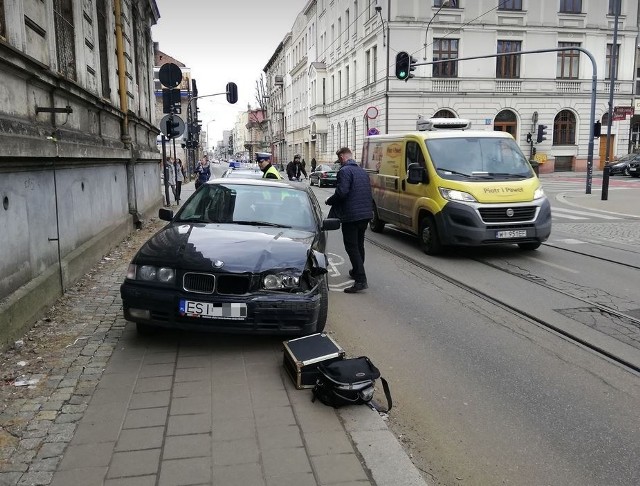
348	382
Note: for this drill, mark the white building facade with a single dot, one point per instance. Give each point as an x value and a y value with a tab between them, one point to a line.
349	50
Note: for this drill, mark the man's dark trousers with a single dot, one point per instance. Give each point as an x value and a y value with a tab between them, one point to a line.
353	237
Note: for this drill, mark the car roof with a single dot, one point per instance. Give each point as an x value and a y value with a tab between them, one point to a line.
256	182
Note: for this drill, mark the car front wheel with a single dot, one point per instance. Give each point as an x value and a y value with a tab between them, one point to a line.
324	305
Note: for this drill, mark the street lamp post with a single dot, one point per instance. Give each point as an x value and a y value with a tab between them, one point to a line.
445	3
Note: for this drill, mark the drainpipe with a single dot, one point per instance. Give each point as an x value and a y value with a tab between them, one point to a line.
124	107
386	90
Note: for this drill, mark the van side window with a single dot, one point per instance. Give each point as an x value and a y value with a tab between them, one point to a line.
413	155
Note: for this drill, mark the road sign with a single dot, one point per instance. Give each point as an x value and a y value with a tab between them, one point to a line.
170	75
179	129
373	131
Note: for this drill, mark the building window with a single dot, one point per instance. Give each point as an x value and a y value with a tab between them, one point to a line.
445	49
346	80
346	134
508	67
452	3
571	6
339	84
339	132
444	114
374	66
65	38
3	29
609	59
568	61
510	5
367	56
372	9
506	121
564	128
333	88
347	28
612	6
355	16
101	7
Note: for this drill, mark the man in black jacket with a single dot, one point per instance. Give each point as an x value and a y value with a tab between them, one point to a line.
353	204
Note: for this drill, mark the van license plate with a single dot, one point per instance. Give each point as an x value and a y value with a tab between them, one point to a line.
511	234
209	310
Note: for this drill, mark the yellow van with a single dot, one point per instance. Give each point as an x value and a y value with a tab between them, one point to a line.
450	185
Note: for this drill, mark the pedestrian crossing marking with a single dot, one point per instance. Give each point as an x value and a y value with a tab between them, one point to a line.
576	214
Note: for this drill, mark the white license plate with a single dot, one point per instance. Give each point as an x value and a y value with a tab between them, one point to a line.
210	310
511	234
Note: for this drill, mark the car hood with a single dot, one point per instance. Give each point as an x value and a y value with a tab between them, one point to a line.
227	248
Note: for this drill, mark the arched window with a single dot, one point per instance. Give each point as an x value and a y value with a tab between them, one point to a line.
346	134
564	128
339	132
353	131
333	138
444	114
506	121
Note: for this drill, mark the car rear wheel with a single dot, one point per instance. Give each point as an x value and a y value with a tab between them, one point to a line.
428	236
626	171
376	224
529	246
324	305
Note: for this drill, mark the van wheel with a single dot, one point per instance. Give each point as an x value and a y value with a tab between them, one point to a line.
324	305
529	246
375	223
428	235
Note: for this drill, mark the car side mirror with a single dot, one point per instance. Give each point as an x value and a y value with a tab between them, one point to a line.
330	224
165	214
416	174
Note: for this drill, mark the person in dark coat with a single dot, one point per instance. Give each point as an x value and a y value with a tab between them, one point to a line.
352	202
313	164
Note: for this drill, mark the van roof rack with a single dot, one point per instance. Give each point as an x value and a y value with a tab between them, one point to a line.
429	124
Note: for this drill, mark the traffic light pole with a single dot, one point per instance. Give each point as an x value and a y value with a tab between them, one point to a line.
165	170
594	82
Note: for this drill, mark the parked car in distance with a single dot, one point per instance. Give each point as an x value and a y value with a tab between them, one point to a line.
324	175
621	165
634	168
240	255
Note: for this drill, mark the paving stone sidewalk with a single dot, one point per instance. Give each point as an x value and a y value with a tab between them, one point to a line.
108	407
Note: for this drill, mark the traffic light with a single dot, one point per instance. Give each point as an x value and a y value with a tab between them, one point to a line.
172	128
232	92
405	64
597	129
170	100
542	132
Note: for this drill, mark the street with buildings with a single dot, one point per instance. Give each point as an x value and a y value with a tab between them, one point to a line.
506	366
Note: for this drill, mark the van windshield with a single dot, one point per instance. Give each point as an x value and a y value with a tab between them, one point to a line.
477	157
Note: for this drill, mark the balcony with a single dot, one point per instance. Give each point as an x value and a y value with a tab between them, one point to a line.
446	85
508	86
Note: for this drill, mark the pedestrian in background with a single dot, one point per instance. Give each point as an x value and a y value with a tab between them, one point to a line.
292	170
204	171
170	174
313	164
179	175
303	168
352	202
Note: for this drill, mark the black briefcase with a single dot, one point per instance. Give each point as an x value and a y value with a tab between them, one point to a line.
303	355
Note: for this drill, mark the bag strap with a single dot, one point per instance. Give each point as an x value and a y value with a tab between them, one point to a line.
387	394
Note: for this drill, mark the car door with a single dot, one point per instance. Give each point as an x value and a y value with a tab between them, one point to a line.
410	193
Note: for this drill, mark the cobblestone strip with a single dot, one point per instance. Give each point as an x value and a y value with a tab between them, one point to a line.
66	353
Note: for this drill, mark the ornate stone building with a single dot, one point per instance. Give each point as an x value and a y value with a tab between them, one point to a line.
79	164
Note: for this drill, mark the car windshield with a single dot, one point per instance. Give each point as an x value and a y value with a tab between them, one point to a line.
248	204
478	157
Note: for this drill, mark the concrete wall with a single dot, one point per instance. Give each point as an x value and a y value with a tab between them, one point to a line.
73	183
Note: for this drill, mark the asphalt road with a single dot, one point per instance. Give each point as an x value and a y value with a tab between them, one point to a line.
482	396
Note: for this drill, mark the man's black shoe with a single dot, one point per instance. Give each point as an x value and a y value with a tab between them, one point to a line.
356	287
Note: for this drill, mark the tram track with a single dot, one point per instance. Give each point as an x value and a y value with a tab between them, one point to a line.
520	313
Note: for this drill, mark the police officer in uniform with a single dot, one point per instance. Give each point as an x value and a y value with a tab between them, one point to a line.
268	170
